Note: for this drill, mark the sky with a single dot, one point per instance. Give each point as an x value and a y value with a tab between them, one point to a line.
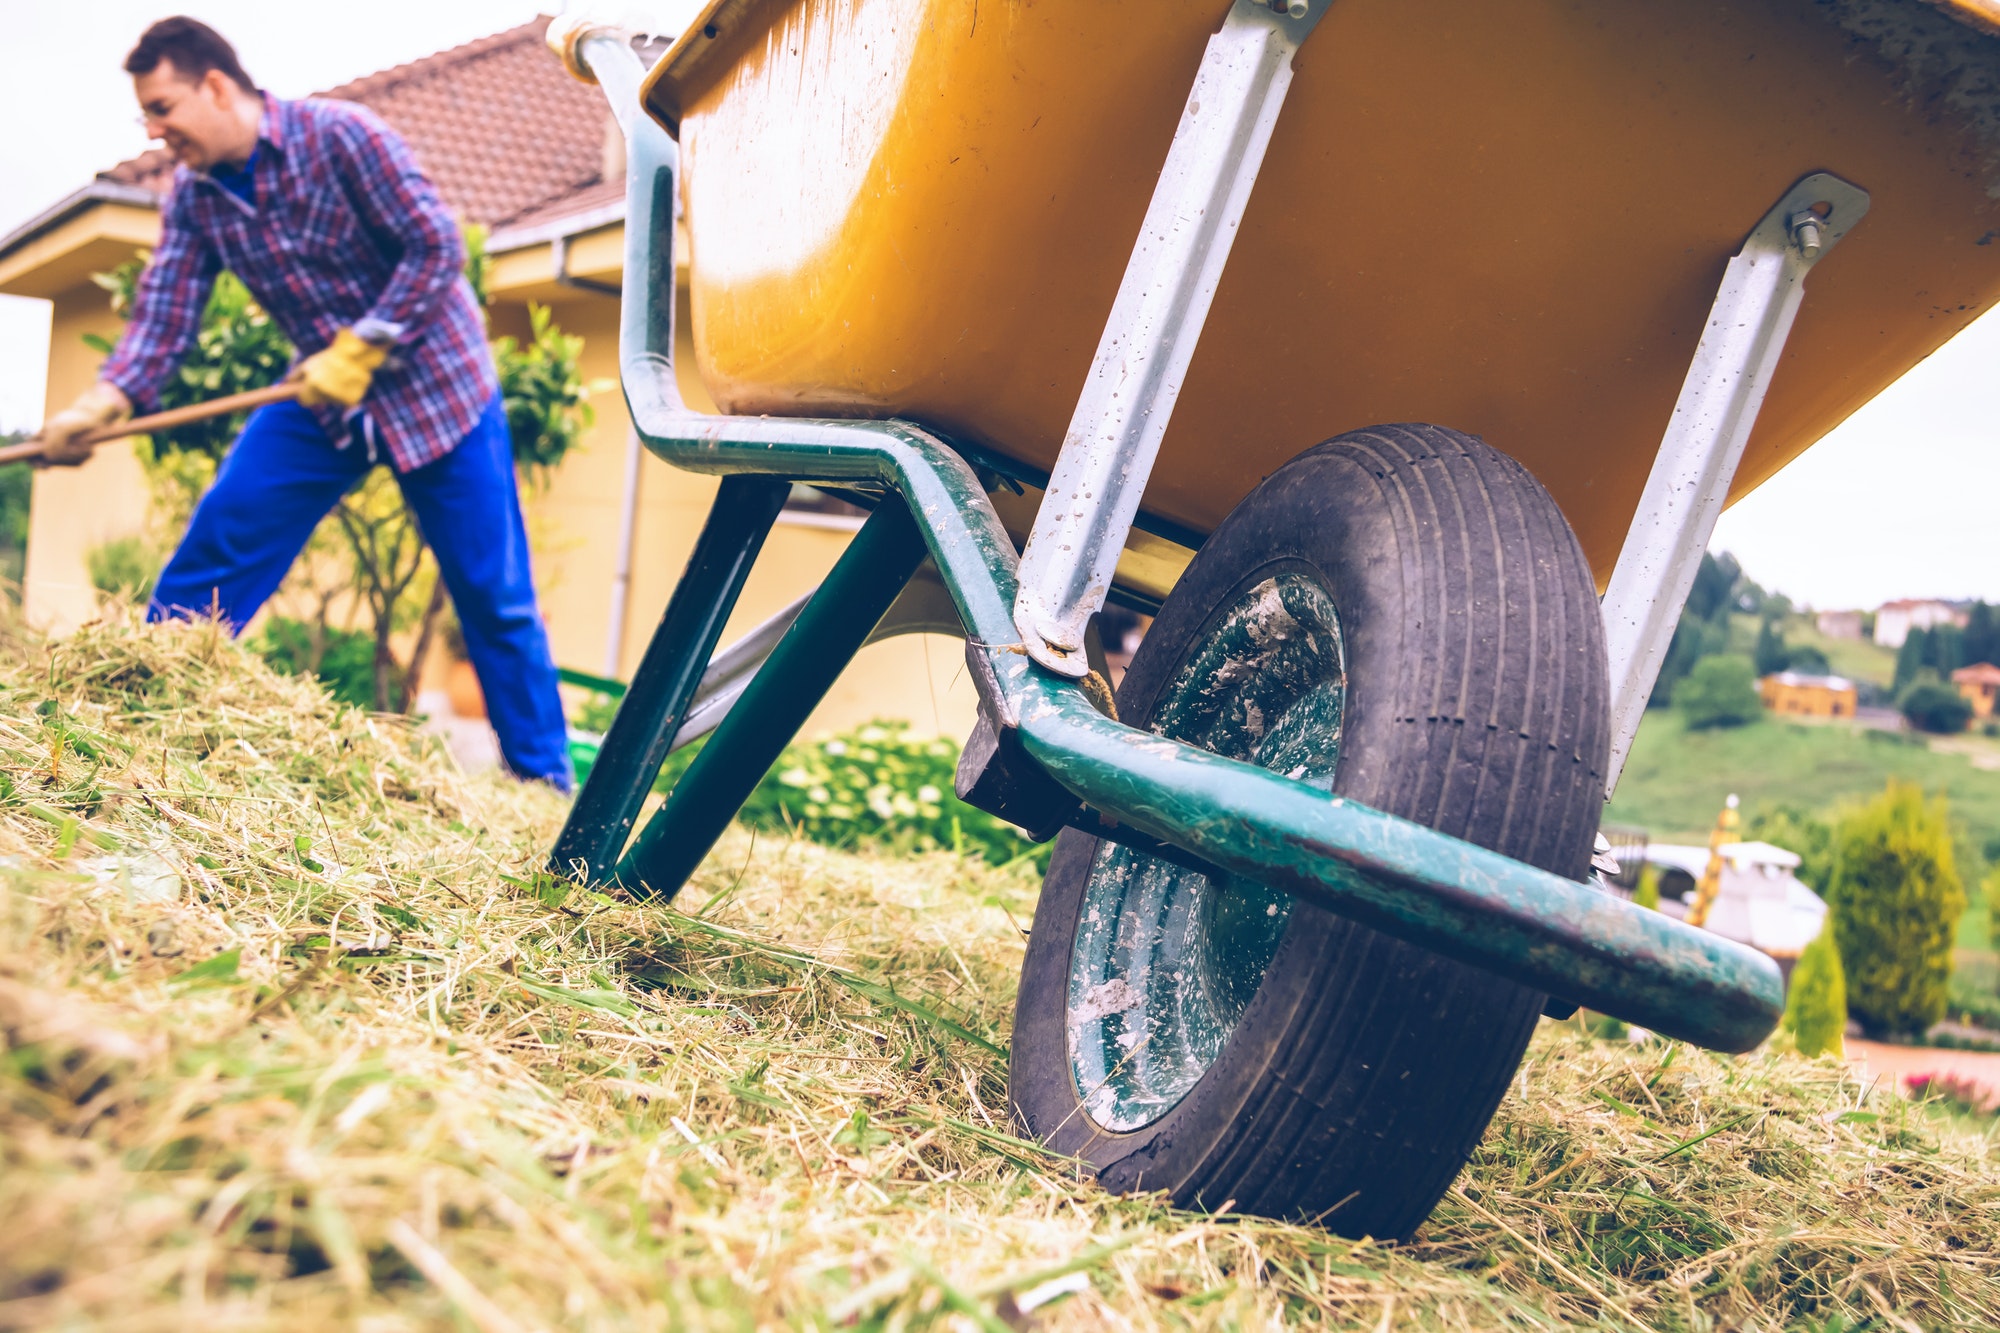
1903	500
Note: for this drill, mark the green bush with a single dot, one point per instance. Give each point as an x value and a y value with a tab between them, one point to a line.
1719	691
1896	899
1933	706
344	660
1808	660
878	786
123	567
542	390
16	488
1798	831
1648	893
1816	1004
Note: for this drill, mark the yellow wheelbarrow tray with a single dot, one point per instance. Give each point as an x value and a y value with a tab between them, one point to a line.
1069	294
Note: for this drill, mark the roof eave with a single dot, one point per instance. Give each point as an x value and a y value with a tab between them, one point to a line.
99	191
509	239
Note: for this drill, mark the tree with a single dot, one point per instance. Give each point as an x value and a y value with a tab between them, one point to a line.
1714	583
1933	706
1720	691
1703	628
1910	659
1940	650
1981	637
1770	655
1896	898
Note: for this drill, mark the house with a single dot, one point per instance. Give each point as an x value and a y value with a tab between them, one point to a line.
518	147
1895	620
1980	684
1759	902
1792	694
1839	624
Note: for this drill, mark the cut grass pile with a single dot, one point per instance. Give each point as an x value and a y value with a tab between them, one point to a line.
295	1037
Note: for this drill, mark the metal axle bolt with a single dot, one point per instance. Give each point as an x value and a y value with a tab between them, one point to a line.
1808	232
1292	8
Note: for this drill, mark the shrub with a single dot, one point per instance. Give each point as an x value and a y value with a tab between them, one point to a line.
123	567
878	786
1896	899
1933	706
1719	691
1796	830
344	660
1648	893
16	488
1770	654
1816	1005
1808	659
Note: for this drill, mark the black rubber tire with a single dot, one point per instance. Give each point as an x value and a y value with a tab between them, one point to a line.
1365	1070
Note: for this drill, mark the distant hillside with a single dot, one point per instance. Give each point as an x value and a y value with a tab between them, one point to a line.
1676	780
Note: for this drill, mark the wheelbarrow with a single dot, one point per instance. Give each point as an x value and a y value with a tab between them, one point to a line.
1059	294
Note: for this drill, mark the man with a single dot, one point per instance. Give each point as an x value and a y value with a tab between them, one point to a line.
319	207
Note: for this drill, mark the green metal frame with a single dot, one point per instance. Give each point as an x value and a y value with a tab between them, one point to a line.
1462	901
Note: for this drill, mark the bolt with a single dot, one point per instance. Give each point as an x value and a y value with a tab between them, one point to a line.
1296	8
1808	232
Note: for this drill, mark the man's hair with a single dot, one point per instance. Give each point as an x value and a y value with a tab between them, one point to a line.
194	49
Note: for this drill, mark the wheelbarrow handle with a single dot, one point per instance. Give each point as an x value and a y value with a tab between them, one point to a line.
179	416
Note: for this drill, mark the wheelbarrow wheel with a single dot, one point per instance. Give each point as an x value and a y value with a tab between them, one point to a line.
1402	617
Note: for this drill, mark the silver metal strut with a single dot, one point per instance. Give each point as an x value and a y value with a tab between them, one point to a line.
1739	350
1143	356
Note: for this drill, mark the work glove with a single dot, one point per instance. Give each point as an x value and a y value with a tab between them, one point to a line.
101	405
339	375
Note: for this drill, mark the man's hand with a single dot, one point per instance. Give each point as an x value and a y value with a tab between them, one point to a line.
101	405
340	375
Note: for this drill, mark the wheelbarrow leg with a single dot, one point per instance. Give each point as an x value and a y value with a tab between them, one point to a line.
1733	364
654	708
776	703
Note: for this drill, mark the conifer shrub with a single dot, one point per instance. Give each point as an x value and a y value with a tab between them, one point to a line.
1816	1005
1648	893
1896	898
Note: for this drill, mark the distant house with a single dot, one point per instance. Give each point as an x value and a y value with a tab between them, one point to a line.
1794	694
1839	624
1895	620
1980	684
1760	901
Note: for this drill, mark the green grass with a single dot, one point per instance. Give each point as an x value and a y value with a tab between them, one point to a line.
1676	780
1857	659
293	1035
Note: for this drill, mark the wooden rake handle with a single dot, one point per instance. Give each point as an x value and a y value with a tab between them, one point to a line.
179	416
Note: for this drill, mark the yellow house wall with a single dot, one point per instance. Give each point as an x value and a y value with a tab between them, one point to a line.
75	509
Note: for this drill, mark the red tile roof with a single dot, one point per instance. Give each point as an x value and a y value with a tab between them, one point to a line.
504	132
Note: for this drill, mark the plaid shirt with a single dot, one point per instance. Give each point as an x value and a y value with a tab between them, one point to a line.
346	230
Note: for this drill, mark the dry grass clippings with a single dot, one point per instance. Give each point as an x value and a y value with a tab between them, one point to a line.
296	1035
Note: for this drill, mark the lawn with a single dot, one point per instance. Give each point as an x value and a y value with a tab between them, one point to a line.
1857	659
296	1037
1676	780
